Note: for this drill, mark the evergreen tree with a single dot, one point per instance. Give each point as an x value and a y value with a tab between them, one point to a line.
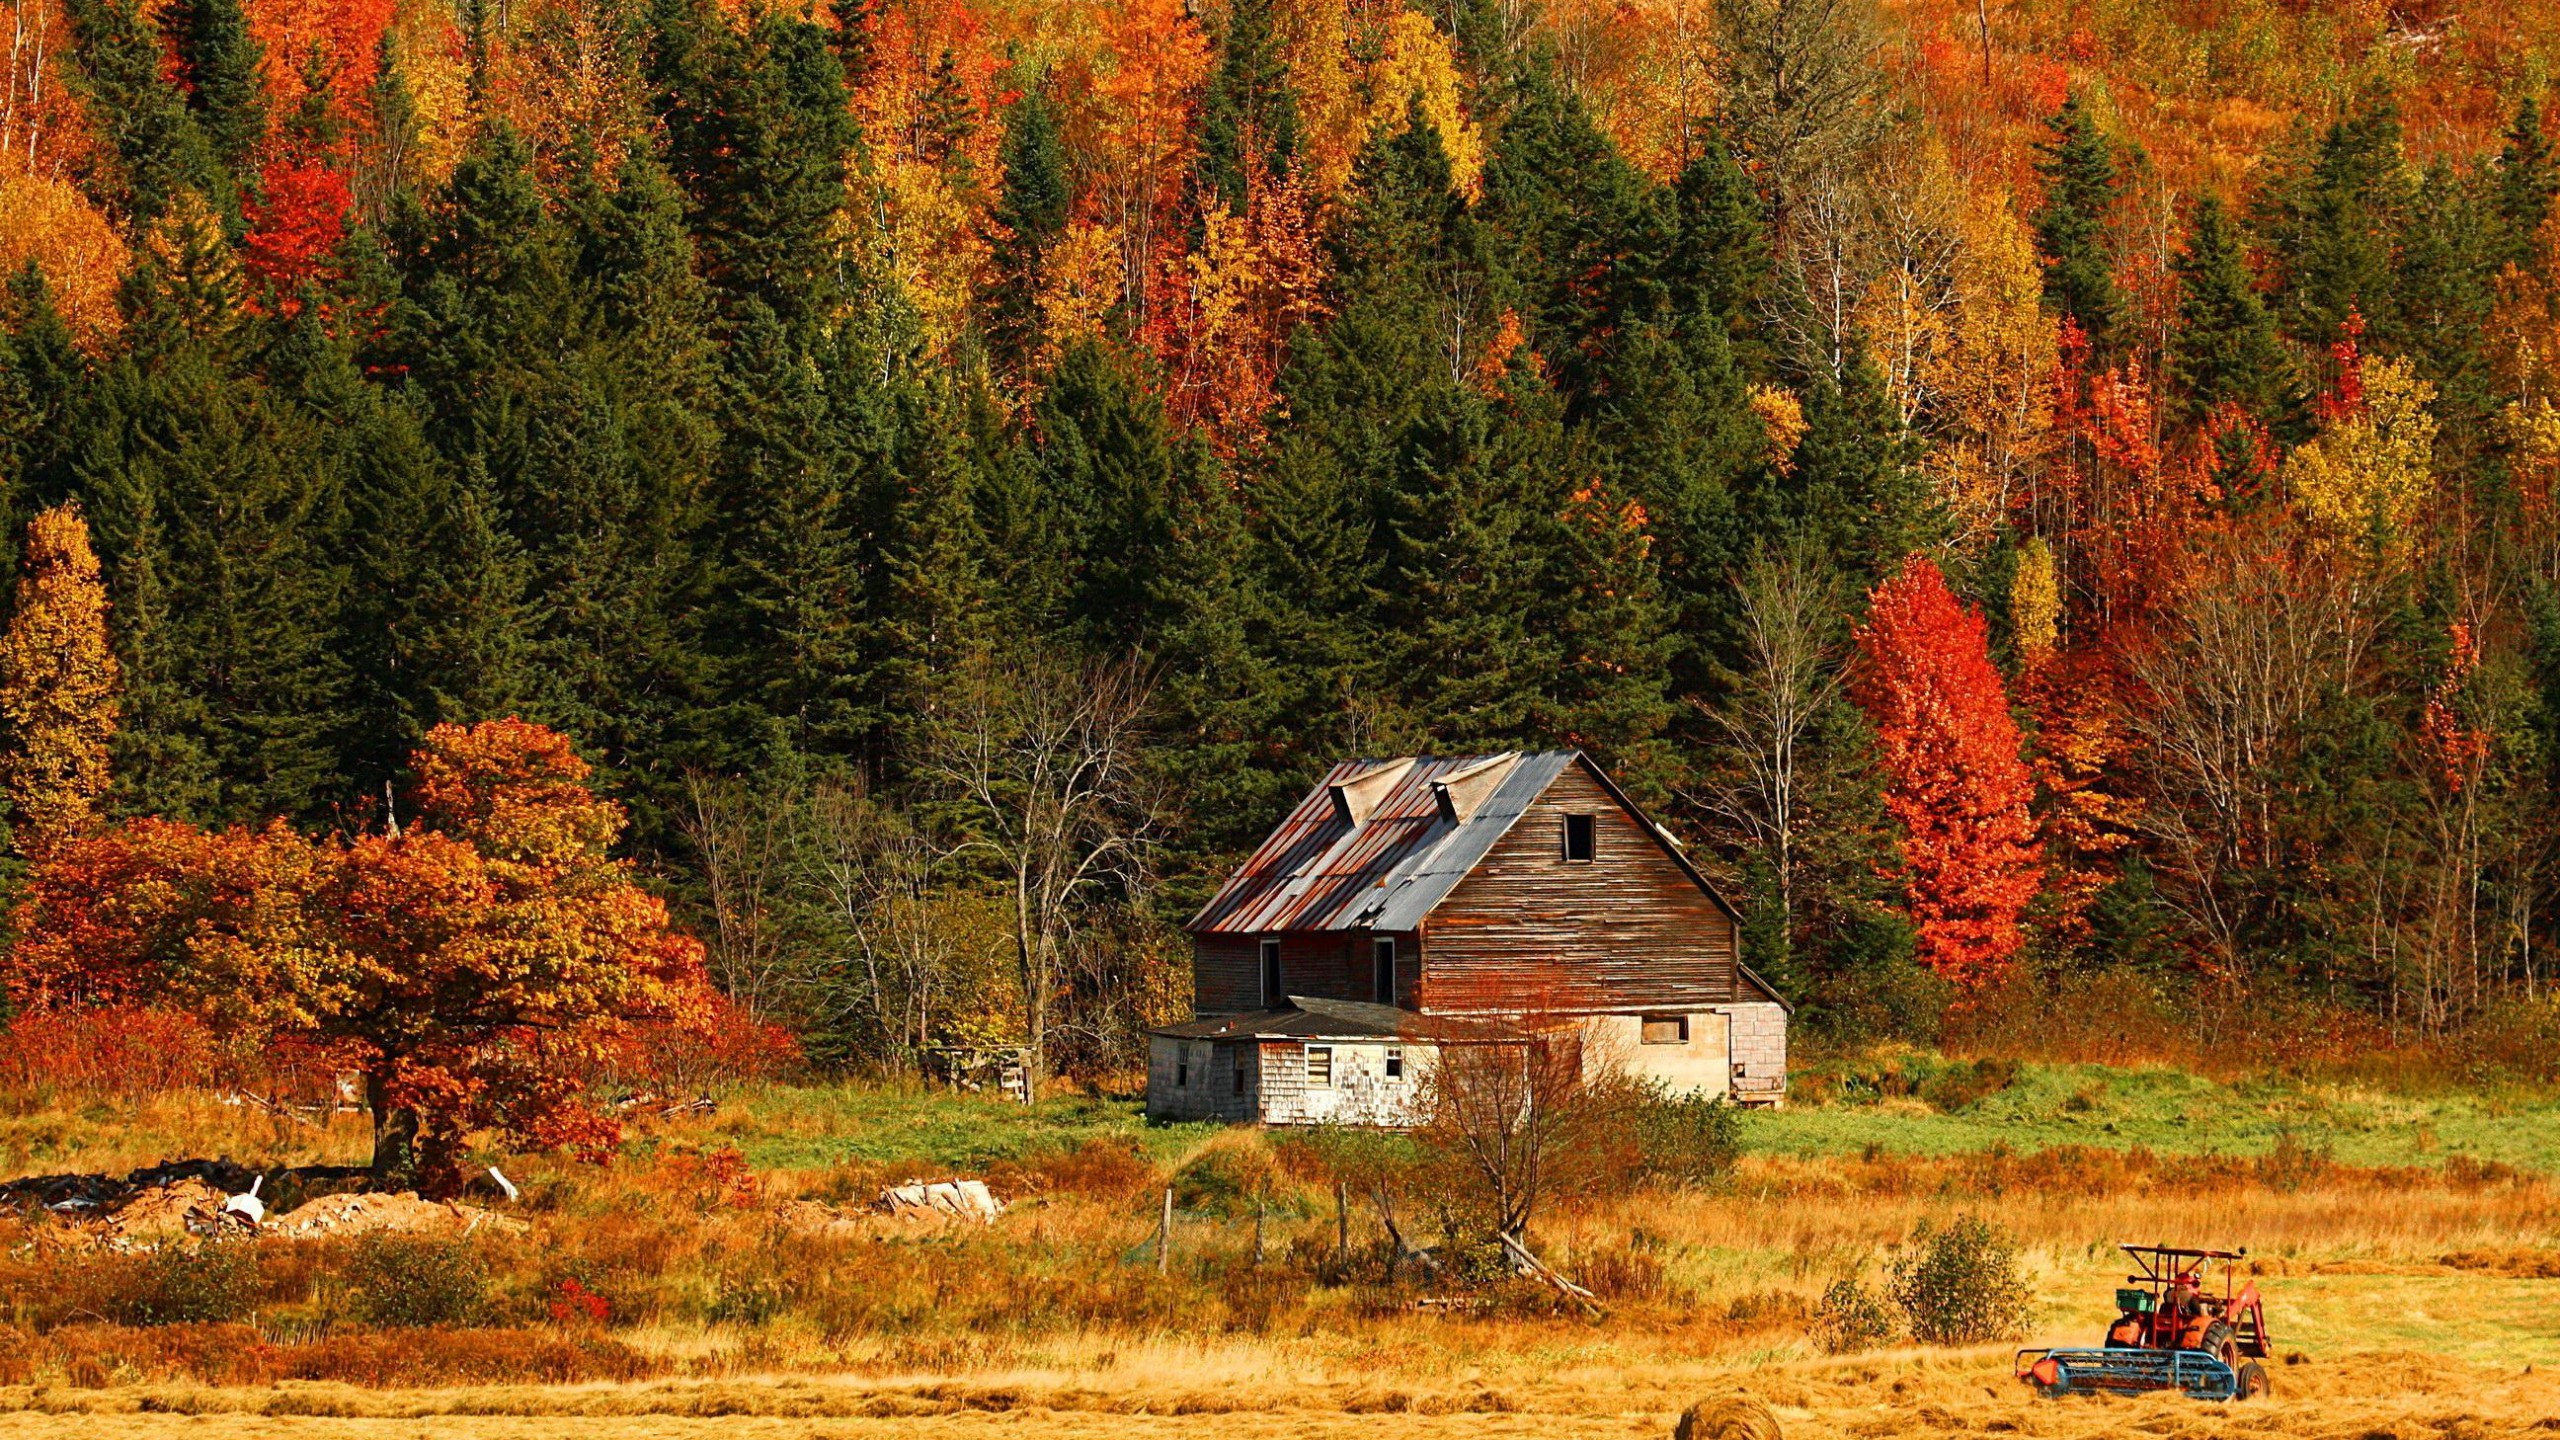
2331	226
759	131
1249	117
158	149
1582	232
2078	168
2225	350
2441	295
1030	214
1719	258
2528	177
226	87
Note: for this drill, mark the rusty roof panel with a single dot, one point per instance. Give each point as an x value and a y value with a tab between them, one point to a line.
1322	871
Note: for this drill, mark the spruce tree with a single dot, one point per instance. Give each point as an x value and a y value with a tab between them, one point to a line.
1582	233
2078	168
2224	350
1719	258
1030	214
2332	224
158	150
226	87
1249	117
2528	177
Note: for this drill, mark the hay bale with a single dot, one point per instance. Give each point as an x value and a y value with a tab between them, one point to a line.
1727	1417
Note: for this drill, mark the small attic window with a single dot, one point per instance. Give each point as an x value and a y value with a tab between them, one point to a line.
1578	838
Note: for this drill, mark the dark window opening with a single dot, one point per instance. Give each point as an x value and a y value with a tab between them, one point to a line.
1382	981
1237	1074
1270	973
1666	1029
1395	1064
1181	1074
1578	838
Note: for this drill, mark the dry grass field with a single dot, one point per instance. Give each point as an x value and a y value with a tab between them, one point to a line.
742	1291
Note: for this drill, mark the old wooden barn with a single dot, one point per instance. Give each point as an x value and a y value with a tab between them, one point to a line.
1402	898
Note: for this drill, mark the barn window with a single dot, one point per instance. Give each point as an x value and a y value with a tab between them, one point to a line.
1236	1073
1382	964
1666	1029
1395	1064
1319	1067
1578	838
1181	1074
1270	973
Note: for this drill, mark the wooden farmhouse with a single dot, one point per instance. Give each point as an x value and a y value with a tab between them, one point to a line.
1406	902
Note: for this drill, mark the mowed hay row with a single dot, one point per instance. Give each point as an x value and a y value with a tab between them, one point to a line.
1879	1398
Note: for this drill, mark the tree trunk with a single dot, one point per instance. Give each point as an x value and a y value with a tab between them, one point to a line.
395	1132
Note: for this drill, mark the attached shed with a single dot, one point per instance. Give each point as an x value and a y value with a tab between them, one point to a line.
1482	886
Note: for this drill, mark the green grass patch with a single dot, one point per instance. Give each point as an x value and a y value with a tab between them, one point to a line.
817	1126
1883	1105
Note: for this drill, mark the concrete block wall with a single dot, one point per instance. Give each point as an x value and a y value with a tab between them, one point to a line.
1759	1052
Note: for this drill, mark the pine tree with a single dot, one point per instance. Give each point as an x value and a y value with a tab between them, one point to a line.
226	87
1579	230
1249	117
759	130
2528	178
159	150
2224	350
1030	214
58	687
2331	226
2078	168
1720	259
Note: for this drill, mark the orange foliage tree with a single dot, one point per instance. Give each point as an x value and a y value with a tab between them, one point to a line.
1957	784
471	963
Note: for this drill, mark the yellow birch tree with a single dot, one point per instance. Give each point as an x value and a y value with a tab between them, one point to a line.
58	686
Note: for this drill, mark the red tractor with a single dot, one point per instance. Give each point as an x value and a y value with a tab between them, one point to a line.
2171	1333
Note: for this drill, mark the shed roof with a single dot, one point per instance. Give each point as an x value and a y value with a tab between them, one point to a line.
1377	843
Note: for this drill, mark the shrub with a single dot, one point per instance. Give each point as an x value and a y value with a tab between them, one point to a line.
1851	1317
1961	1084
215	1283
1233	1181
1960	1285
1682	1139
403	1281
750	1300
1109	1167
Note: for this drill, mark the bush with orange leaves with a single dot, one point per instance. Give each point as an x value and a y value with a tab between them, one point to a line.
471	963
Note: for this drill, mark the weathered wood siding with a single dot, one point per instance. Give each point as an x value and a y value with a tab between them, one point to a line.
1626	932
1226	970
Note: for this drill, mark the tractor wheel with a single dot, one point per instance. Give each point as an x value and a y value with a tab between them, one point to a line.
2222	1341
2253	1380
1729	1417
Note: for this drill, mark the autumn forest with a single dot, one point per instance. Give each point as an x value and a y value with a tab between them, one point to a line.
857	513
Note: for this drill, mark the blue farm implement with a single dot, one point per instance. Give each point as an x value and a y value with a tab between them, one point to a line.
2128	1372
2169	1334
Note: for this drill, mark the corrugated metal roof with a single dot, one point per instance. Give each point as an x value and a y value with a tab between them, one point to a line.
1311	1017
1324	870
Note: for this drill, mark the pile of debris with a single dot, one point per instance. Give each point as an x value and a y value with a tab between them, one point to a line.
917	1204
175	1202
373	1214
960	1199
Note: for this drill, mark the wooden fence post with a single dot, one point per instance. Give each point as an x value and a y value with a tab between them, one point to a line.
1164	1236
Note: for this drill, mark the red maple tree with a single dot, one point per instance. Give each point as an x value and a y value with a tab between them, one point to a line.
1957	784
472	964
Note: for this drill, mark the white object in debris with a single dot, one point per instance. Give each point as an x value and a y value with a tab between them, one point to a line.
967	1199
506	1186
247	1205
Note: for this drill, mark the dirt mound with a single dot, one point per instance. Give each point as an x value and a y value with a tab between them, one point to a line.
368	1214
168	1212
